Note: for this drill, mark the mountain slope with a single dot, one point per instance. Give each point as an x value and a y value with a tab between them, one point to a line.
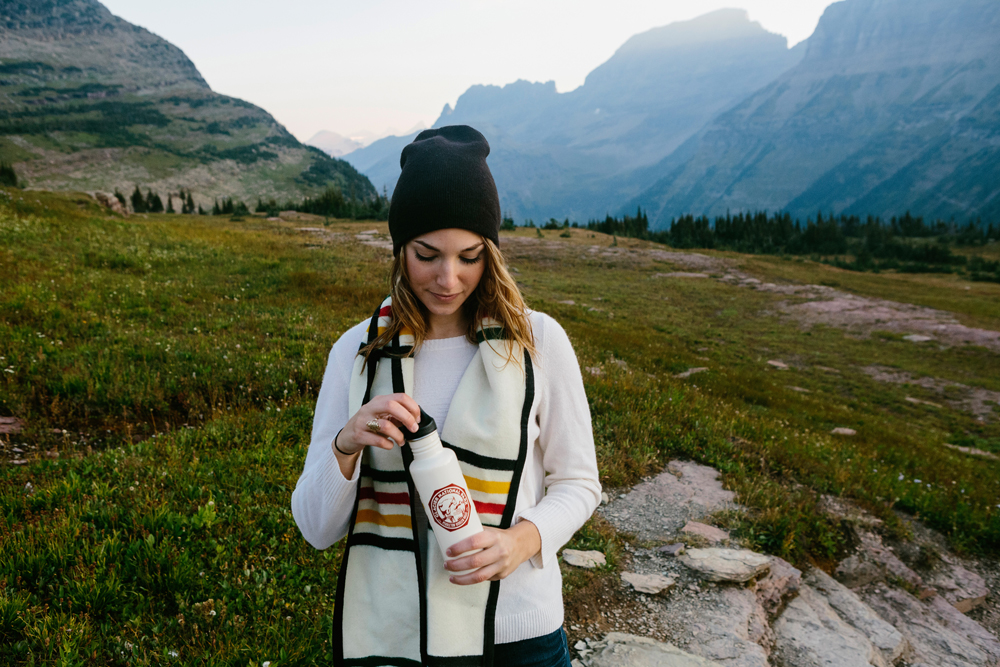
583	153
90	102
893	107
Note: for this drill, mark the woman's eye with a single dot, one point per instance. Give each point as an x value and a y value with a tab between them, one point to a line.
472	260
423	258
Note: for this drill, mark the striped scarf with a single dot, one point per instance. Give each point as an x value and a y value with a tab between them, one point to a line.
395	604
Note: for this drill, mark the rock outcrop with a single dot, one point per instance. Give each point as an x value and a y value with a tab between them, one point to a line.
736	608
732	565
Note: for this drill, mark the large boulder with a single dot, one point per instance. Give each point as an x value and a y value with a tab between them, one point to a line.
810	633
729	627
733	565
931	642
623	650
856	613
962	588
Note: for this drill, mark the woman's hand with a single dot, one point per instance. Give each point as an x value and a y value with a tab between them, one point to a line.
393	412
502	552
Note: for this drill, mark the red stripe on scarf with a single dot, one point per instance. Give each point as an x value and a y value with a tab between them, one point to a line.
489	508
369	493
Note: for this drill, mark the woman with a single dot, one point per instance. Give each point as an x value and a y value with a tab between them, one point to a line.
504	386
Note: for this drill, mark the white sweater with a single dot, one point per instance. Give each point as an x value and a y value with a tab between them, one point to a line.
559	487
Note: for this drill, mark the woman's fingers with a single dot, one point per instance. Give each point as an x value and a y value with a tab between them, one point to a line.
481	540
485	573
396	406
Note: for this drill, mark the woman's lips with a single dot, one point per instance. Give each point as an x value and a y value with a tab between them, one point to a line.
445	297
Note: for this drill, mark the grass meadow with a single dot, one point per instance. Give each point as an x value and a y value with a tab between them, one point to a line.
165	368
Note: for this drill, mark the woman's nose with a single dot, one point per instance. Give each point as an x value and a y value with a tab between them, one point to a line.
448	276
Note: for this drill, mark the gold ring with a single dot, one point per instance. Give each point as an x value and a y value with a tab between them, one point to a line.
374	426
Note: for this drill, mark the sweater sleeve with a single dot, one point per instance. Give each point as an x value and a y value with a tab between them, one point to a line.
323	498
566	439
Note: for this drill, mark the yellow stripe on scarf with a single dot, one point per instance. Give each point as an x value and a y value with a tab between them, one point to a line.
390	520
485	486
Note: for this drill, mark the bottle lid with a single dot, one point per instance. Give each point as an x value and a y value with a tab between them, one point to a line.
426	426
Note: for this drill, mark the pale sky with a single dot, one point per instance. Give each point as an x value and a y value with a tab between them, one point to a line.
381	64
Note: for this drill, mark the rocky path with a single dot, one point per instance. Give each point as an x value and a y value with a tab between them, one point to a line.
688	596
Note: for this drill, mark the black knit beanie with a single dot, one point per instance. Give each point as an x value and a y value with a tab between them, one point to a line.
445	184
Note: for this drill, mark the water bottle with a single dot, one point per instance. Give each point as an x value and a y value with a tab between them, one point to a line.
441	485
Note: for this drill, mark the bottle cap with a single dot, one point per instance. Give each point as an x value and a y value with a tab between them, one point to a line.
426	426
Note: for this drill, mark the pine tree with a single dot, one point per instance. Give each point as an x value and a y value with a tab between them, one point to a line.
190	203
153	202
170	203
121	198
138	202
7	175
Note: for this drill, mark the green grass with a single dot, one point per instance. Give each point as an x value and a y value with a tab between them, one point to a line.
179	356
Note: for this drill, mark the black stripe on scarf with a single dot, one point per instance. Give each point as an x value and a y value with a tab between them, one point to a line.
480	460
415	506
489	629
387	543
338	611
454	661
491	333
386	476
379	661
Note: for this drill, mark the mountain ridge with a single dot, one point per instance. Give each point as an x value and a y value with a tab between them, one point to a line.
881	101
580	153
89	101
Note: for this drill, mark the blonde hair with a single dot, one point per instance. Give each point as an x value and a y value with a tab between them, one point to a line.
496	296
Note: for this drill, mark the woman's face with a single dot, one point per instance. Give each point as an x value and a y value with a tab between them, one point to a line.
444	268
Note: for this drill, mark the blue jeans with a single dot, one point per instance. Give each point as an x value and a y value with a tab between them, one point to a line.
549	650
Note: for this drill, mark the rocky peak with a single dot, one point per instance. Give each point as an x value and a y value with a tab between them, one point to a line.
83	37
55	16
873	34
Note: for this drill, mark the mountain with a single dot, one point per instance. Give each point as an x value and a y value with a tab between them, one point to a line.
895	106
91	102
585	152
333	144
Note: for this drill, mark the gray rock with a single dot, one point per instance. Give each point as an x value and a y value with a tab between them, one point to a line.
956	621
730	627
691	371
657	508
716	564
860	616
780	365
654	584
585	559
674	549
855	572
623	650
778	585
843	430
931	643
710	533
964	589
810	633
875	552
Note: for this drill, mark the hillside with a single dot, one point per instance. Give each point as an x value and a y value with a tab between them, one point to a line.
158	377
91	102
895	106
581	154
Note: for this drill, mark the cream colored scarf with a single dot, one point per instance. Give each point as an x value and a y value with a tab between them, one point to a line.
388	611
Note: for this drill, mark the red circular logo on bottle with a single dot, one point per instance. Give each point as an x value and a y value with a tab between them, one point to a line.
450	507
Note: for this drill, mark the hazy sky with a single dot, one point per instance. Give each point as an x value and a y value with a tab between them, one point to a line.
380	64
